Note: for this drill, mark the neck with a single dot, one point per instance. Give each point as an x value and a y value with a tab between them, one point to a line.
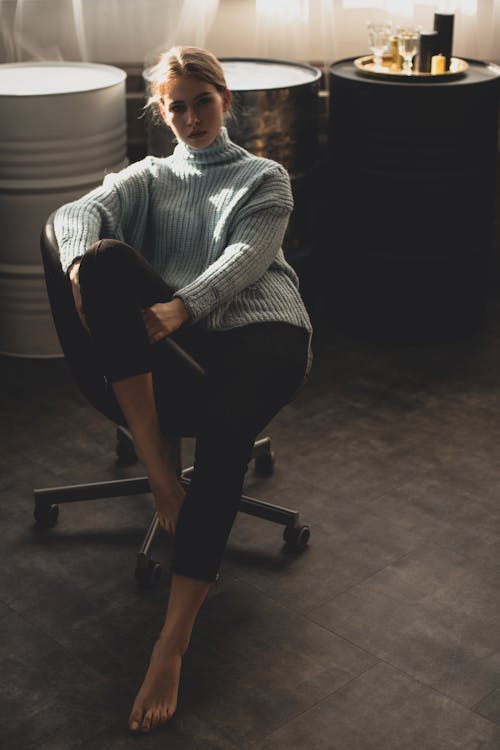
221	149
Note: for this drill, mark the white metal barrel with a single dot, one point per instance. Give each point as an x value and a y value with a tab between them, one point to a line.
62	128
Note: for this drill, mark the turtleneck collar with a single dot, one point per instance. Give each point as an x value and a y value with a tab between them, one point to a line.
222	149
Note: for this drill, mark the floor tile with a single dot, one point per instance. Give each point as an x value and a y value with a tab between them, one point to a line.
384	708
45	690
489	707
437	618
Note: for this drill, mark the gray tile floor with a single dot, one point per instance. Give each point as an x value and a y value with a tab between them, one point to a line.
384	634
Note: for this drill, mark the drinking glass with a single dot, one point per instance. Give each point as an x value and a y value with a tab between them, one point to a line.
408	38
379	35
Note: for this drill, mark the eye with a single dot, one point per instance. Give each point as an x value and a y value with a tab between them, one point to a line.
176	108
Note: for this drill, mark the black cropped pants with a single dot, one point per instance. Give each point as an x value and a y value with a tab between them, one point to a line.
250	373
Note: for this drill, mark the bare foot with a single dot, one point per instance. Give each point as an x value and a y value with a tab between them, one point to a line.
156	701
169	495
168	492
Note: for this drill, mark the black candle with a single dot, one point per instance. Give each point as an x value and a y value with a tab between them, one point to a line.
443	24
427	47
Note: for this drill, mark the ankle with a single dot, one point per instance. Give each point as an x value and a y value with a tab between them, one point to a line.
176	644
159	465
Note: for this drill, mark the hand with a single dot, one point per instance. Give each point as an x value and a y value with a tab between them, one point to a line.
164	318
75	288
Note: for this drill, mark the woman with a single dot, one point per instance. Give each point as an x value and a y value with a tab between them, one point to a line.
192	256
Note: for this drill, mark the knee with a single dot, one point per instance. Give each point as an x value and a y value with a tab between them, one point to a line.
224	447
103	258
237	421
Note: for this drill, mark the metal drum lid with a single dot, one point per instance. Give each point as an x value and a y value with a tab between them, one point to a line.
43	78
249	74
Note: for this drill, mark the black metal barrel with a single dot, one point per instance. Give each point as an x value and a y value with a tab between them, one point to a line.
413	180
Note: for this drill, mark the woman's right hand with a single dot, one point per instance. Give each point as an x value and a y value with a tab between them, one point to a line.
75	288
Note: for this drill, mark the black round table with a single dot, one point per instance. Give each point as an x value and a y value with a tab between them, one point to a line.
412	181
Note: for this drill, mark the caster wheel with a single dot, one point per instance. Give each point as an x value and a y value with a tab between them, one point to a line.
46	516
125	451
148	575
264	465
296	538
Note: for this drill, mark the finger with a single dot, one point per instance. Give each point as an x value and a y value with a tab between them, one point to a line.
158	336
155	329
148	318
152	328
166	525
153	310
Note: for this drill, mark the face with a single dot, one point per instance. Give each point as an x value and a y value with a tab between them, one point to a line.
194	110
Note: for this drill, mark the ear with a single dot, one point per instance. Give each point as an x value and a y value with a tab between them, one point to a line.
226	100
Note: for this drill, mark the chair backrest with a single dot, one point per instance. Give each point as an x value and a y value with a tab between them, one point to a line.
75	342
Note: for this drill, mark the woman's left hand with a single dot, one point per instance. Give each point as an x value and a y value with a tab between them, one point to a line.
164	318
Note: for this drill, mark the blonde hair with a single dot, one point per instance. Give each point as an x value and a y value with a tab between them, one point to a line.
192	62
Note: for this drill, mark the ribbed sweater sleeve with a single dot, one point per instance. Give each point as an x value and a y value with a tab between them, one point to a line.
118	208
253	242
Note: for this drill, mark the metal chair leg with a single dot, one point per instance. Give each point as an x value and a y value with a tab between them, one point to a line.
46	510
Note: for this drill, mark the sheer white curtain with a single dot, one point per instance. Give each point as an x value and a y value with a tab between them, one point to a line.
188	23
303	30
139	30
106	30
328	30
42	30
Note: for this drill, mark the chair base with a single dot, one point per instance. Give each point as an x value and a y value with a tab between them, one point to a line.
46	510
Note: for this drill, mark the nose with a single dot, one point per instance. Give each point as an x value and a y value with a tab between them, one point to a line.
193	116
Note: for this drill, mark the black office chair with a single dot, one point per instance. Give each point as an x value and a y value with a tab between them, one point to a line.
75	345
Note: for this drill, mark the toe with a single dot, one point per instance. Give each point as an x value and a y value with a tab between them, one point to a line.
146	722
156	719
164	716
135	719
165	524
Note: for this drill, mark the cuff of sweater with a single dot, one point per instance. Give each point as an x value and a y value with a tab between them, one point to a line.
198	305
69	255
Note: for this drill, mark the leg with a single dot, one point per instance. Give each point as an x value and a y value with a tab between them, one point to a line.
239	404
159	455
116	284
156	701
256	371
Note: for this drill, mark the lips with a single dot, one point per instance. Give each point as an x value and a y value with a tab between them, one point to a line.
198	134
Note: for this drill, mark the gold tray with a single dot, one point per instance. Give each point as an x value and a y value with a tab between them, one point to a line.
366	66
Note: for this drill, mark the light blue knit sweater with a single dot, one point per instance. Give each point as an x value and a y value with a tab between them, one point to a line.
210	221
